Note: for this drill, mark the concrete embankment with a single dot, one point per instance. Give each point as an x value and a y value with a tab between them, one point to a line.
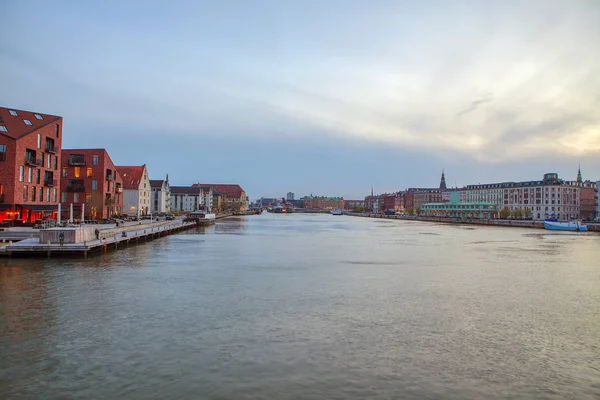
486	222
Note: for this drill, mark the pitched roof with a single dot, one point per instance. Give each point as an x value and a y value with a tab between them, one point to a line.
156	183
132	176
232	191
185	190
16	126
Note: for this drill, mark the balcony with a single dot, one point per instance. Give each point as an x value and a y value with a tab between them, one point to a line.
76	188
110	177
76	161
119	190
50	148
32	160
50	182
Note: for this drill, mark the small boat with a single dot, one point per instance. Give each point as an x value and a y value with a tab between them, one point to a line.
202	218
337	212
572	226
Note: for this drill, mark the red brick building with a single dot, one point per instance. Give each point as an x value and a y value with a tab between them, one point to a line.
90	181
587	201
416	197
30	157
323	202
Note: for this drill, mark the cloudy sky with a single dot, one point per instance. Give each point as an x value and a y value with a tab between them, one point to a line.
322	97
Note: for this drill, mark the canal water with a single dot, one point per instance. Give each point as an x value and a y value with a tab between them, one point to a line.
309	307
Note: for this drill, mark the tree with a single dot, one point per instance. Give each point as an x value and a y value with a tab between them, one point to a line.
418	211
411	211
359	209
505	213
518	213
527	212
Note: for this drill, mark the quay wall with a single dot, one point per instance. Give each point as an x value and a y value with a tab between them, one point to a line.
470	221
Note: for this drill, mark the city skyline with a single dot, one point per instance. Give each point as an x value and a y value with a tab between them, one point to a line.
301	97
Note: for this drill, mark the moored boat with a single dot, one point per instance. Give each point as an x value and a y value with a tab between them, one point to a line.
337	212
572	226
202	218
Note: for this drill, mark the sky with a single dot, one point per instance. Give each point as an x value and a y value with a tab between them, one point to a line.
315	97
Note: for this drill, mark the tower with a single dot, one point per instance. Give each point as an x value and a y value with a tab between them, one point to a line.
579	180
443	181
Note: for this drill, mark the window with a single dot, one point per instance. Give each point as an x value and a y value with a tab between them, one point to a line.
56	163
27	122
38	116
13	113
88	197
89	172
3	128
94	184
63	197
75	197
64	172
49	160
54	195
21	173
25	193
48	194
29	175
42	194
41	158
77	173
37	176
94	160
33	192
39	141
2	152
57	130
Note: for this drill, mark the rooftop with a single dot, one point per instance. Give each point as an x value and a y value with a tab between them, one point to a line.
18	123
132	176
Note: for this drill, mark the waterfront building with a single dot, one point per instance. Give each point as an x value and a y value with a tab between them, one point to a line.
186	198
90	182
598	201
351	205
478	210
414	198
370	202
207	194
30	158
234	197
136	190
545	198
323	202
160	196
266	202
289	196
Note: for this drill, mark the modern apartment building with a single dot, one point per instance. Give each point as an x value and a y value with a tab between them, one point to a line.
160	195
234	196
136	190
30	158
90	182
186	198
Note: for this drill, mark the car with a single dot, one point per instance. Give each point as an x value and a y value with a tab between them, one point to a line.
169	217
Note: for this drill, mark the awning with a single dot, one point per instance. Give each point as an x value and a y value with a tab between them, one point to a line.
40	207
4	207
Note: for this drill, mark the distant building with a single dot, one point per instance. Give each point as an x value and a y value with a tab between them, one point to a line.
30	158
416	197
160	196
289	196
351	205
186	198
136	190
323	202
235	198
598	201
478	210
90	181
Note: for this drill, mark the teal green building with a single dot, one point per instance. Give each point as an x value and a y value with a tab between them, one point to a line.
479	210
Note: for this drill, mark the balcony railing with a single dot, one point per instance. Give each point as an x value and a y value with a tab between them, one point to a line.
119	190
110	177
30	160
50	182
75	188
76	162
50	148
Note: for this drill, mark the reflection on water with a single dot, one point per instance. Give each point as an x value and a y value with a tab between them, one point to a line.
309	307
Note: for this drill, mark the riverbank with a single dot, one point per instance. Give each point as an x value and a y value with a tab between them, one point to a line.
487	222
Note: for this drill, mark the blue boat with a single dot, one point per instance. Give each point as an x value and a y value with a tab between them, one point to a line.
572	226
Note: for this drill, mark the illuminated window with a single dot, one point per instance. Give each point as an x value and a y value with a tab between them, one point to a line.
77	172
88	197
89	173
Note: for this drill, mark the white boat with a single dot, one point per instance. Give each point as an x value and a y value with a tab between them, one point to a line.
202	217
573	226
337	212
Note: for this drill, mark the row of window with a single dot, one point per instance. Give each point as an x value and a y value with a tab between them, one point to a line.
32	191
48	175
63	197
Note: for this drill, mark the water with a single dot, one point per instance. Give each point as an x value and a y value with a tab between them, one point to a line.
309	307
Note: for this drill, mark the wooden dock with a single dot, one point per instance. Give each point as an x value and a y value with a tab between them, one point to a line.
113	239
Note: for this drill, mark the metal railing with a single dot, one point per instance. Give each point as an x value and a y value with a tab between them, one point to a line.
50	182
75	188
50	148
110	177
31	160
76	162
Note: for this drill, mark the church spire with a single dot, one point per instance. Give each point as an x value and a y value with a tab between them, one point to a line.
372	191
443	181
579	180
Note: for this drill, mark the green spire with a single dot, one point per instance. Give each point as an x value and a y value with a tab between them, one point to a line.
579	180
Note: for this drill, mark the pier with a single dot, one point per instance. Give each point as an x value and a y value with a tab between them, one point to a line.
83	240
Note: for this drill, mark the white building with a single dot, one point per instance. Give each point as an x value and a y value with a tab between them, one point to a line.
136	190
187	198
160	196
543	198
289	196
